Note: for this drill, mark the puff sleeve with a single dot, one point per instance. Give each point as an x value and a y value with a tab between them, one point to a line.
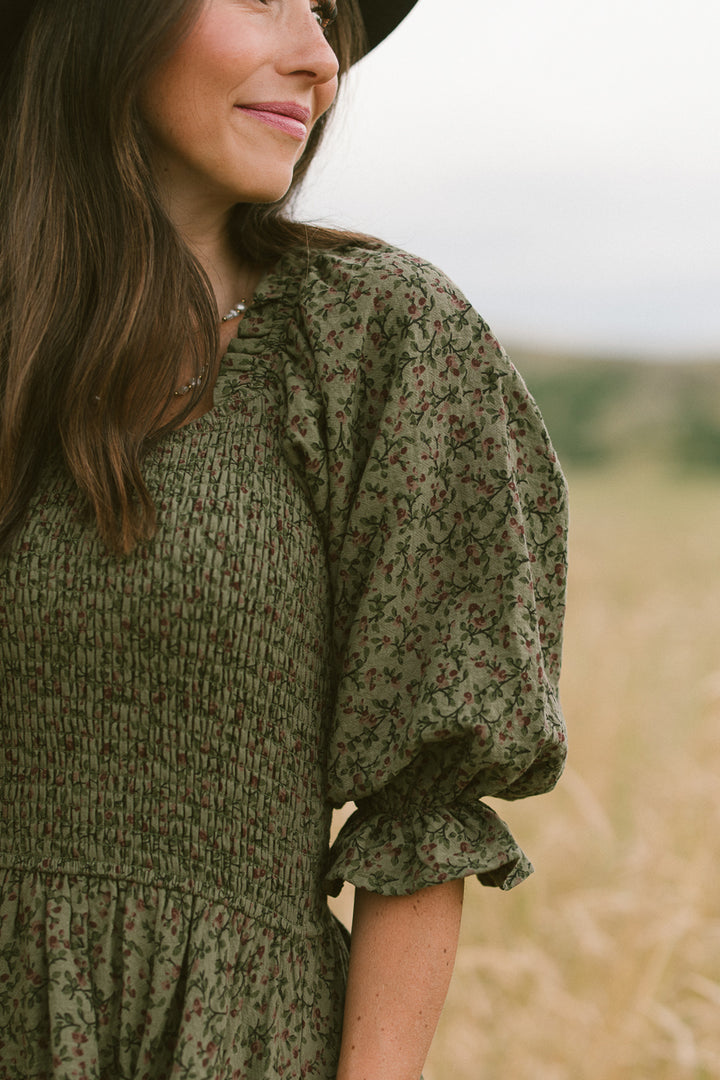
448	560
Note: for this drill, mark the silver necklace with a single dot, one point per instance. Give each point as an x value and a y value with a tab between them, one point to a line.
233	313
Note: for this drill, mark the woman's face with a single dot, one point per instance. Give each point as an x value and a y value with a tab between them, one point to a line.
230	110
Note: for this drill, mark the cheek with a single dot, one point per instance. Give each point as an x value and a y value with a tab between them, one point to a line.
176	106
189	83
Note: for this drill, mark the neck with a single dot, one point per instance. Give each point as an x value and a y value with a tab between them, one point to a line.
231	278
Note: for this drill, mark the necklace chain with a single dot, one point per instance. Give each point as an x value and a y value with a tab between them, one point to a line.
233	313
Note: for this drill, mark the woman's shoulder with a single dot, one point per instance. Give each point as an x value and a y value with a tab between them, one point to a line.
382	300
381	272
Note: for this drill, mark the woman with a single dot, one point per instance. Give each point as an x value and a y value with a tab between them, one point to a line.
281	529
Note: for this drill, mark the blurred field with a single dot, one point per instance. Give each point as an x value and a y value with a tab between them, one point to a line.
605	965
603	412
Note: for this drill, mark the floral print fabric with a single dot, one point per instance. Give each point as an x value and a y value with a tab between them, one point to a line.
105	979
355	594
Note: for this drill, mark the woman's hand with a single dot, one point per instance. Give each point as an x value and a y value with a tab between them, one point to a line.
401	959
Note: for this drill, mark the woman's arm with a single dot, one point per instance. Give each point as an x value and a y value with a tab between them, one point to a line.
401	959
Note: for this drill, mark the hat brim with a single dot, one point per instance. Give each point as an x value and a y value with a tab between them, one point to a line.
382	16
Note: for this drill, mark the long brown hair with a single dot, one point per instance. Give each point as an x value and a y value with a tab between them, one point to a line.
100	300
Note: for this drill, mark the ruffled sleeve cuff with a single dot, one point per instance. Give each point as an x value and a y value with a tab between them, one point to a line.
394	855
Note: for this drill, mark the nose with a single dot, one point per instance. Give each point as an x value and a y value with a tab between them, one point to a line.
308	51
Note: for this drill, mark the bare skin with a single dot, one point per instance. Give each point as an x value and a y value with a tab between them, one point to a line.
401	960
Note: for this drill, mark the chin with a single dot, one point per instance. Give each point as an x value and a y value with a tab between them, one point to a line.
266	189
264	195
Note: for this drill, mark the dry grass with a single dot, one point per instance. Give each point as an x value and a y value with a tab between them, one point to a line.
606	964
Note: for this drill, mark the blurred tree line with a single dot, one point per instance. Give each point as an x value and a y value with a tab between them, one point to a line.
606	411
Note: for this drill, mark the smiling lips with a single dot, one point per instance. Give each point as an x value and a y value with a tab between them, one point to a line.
284	115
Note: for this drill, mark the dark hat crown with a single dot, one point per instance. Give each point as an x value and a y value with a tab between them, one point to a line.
382	16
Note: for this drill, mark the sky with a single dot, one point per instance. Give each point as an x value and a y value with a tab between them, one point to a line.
559	159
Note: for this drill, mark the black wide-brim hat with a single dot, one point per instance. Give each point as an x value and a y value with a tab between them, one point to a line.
380	18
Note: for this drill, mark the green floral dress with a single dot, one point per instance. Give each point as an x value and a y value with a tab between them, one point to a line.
355	593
